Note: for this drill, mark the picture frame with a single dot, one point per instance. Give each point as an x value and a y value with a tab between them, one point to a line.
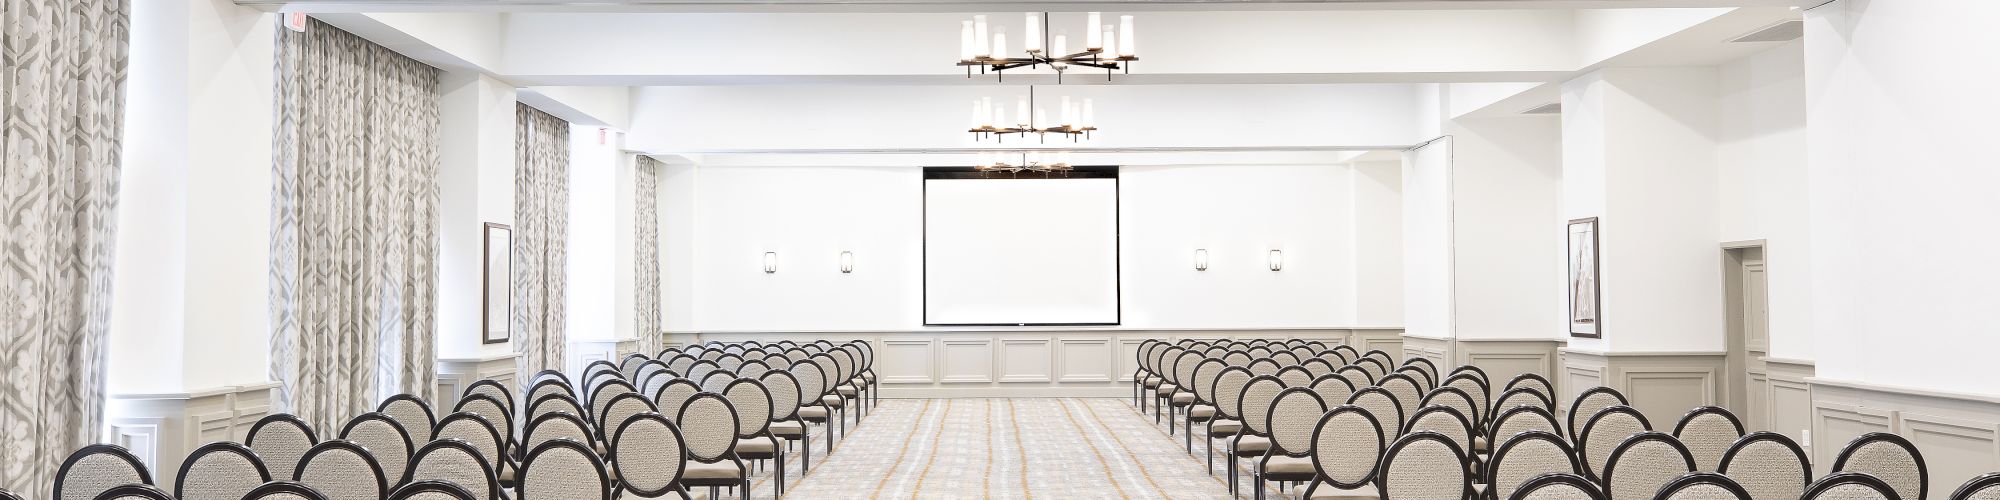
1586	300
496	278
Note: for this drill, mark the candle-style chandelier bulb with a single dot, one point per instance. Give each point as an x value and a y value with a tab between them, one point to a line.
979	48
1092	38
1125	48
1032	40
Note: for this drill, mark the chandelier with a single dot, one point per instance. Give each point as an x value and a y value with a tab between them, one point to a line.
1031	161
985	47
1075	119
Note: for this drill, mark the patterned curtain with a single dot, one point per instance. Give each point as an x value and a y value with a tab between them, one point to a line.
354	235
646	271
541	240
63	103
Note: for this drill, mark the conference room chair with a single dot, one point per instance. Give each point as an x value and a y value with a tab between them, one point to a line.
499	417
1285	357
1457	399
1179	387
648	456
1264	366
1291	420
480	433
1423	380
1532	381
1702	486
554	426
1347	353
1521	419
1424	466
700	371
1202	408
834	374
597	371
96	469
1332	388
413	413
284	490
864	372
1708	432
812	407
649	372
1253	436
628	366
1768	465
1983	487
1407	390
785	424
1475	389
563	470
754	441
1888	457
385	439
220	471
673	394
1644	463
342	470
1376	367
1228	419
621	407
1356	374
551	374
681	362
1383	406
1347	446
1295	376
1603	433
546	387
606	392
1525	456
1450	423
134	492
1587	404
1558	487
730	362
849	367
552	403
710	427
1142	377
1318	367
457	462
752	368
1474	370
1163	387
1852	486
1524	396
492	389
281	439
1381	357
1429	369
432	490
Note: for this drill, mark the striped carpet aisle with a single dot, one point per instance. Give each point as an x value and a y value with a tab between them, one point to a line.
1005	448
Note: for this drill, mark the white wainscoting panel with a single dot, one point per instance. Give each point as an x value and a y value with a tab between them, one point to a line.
1026	360
908	361
1958	434
1088	359
967	360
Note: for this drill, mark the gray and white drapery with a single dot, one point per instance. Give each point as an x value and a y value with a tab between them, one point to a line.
541	240
354	234
62	101
646	321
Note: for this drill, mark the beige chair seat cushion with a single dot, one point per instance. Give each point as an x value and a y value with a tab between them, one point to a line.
816	412
755	446
1166	389
1330	492
1252	443
719	470
1479	444
1183	399
788	428
868	376
1224	427
831	401
845	390
1199	412
1289	465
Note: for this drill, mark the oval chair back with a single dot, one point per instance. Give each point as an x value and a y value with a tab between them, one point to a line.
220	471
342	470
134	492
1587	405
1602	435
1525	456
1558	487
1768	465
96	469
1702	486
1291	420
494	414
1443	420
622	406
492	389
1890	458
1522	419
1425	466
1229	391
478	432
1456	399
554	426
412	413
284	490
563	470
432	490
709	424
457	462
1708	432
1850	486
1643	463
1256	401
385	439
1532	381
1347	446
1984	487
1522	396
1333	389
649	455
280	440
1383	406
553	403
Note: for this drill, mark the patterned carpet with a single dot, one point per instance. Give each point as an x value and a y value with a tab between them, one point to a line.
1003	448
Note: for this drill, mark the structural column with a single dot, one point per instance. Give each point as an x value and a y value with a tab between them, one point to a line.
475	189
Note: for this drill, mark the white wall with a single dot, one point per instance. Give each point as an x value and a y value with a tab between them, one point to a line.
1900	194
718	221
1427	240
190	304
475	187
592	307
1761	157
1506	187
1378	243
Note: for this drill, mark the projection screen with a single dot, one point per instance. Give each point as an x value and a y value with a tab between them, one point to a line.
1021	251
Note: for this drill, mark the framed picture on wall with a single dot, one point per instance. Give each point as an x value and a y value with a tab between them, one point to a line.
497	282
1585	303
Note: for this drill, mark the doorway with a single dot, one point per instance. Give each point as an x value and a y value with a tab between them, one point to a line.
1748	330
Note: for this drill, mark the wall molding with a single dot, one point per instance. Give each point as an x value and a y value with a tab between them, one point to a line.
1661	385
162	428
1958	433
455	374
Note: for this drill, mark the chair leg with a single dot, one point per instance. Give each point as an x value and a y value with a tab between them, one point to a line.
778	490
1171	411
1257	485
1188	430
1232	473
1210	441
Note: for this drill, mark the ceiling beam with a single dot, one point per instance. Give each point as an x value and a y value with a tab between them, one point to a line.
958	6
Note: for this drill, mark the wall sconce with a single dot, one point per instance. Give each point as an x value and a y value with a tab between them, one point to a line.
1277	260
1201	259
770	262
846	262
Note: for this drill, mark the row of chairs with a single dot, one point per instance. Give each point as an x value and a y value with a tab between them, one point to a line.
472	454
1281	404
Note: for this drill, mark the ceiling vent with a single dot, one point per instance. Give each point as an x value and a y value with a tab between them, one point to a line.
1554	108
1784	31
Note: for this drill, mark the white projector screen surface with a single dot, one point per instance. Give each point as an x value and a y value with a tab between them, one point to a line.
1020	251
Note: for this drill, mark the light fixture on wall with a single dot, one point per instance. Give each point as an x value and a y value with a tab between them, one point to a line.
1201	259
1075	119
1277	260
770	262
846	262
1031	161
1105	47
